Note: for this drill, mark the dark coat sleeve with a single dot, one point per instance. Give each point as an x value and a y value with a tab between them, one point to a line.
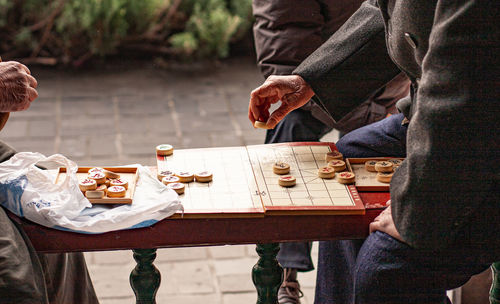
351	65
447	192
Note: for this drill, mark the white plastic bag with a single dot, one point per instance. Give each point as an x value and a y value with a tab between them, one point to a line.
31	192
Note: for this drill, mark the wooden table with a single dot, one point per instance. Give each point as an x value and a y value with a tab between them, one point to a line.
266	232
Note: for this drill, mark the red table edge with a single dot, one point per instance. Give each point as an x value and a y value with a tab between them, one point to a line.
211	231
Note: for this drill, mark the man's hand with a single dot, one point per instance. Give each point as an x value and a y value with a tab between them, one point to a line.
384	222
292	90
17	87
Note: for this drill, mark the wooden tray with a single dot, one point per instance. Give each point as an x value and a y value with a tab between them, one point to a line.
365	180
128	174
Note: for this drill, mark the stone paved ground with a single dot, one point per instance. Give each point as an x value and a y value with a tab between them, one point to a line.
116	116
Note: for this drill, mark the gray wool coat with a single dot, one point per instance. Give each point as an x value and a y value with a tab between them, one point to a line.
446	193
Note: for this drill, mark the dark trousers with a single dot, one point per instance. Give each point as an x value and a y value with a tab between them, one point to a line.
382	269
336	259
299	125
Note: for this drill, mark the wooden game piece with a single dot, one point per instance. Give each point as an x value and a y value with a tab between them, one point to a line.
333	155
346	177
116	191
107	182
185	176
110	174
87	184
337	165
102	187
164	173
177	187
118	182
95	169
94	194
370	166
326	172
287	181
164	150
99	177
203	177
280	167
261	125
383	166
170	179
384	177
395	162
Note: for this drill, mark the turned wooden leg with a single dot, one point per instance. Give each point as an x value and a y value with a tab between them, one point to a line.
145	277
495	285
267	274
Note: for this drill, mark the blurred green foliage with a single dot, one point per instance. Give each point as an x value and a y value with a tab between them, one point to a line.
72	31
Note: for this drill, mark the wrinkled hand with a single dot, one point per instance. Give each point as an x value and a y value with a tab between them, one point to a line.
384	223
17	87
292	90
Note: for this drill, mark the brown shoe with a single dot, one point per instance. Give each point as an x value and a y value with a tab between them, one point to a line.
289	292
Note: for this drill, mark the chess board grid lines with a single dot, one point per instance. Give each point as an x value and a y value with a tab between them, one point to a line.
193	189
262	174
301	176
324	183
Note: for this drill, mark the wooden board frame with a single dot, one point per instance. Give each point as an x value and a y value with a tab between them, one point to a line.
356	206
130	174
371	184
256	183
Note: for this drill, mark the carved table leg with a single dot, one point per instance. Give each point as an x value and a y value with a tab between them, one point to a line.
145	277
267	274
495	286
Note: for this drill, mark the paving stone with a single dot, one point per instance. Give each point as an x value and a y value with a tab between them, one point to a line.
308	295
102	146
234	266
240	298
111	281
15	128
88	105
189	299
211	122
226	138
181	254
254	138
120	257
142	106
78	125
143	144
41	128
27	144
250	251
74	147
192	277
225	252
185	104
196	140
117	300
236	283
161	123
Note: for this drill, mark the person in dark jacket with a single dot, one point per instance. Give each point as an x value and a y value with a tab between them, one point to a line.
443	223
285	33
27	277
